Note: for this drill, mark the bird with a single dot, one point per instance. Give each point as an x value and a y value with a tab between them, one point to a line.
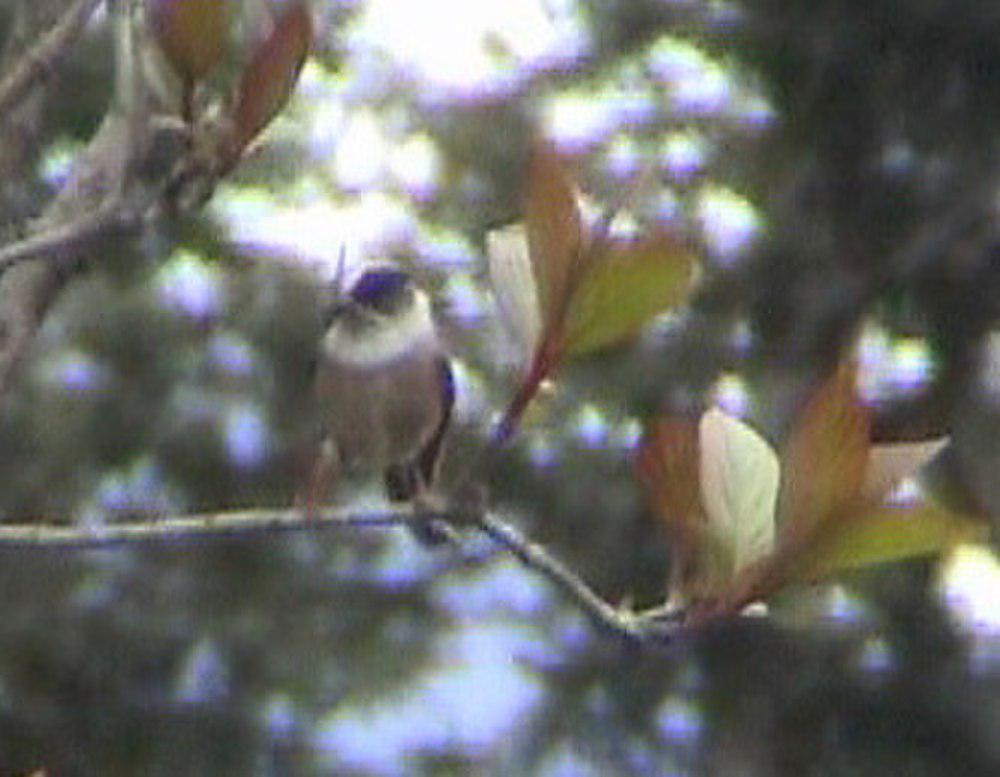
384	387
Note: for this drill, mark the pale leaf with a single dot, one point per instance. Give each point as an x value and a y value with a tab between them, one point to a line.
624	289
739	488
514	285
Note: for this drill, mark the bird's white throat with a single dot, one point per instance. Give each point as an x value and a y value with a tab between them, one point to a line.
409	330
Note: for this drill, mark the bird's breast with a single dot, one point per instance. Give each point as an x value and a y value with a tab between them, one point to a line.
381	414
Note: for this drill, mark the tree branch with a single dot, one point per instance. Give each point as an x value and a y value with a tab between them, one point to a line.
41	60
67	242
113	185
534	556
632	627
247	523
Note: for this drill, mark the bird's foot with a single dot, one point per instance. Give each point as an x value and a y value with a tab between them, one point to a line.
430	525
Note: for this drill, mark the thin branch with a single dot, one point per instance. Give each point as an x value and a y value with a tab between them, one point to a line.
66	242
40	61
536	557
245	523
632	627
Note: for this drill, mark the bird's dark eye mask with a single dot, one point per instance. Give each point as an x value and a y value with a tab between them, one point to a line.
378	288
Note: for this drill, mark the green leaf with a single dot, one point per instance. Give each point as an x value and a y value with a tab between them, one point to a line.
625	288
739	488
888	532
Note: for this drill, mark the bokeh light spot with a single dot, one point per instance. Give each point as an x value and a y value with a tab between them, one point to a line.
590	426
969	583
696	85
728	221
468	50
246	435
278	716
138	488
232	355
362	153
439	710
190	286
875	658
75	372
542	450
415	165
730	393
682	155
679	721
203	676
893	368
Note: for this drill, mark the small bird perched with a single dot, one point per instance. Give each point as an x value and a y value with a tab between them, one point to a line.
384	386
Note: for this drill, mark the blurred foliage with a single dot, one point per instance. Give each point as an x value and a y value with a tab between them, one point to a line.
851	150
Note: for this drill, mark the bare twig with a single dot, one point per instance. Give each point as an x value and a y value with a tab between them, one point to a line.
533	555
622	623
66	242
190	527
111	186
41	60
28	289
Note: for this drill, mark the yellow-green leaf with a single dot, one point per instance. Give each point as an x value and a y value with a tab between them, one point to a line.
624	289
888	532
192	33
552	219
271	74
739	487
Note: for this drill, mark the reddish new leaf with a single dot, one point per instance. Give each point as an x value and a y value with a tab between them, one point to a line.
823	473
592	291
192	34
668	468
555	238
826	457
555	245
833	514
271	74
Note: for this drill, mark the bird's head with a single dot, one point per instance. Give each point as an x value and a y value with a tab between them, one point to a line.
382	312
379	294
383	290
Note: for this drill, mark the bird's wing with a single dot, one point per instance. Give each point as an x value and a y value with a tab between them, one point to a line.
431	453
